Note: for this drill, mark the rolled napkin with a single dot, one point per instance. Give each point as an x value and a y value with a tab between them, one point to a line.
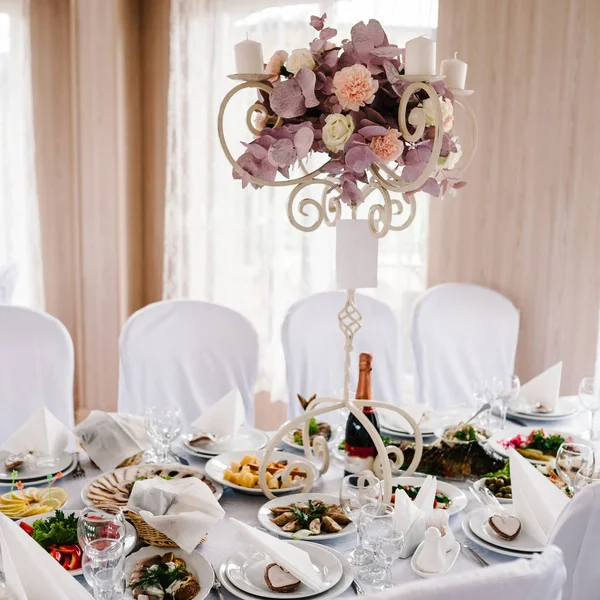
426	496
286	555
537	502
544	389
223	418
392	420
439	519
110	438
31	573
42	433
432	556
182	509
410	520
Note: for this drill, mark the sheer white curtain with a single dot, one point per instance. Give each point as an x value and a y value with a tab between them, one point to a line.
236	247
19	218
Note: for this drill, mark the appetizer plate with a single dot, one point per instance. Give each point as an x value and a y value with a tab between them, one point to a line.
247	438
40	481
36	469
478	522
248	574
451	557
131	536
265	515
197	565
431	422
479	485
458	499
215	468
339	588
567	406
288	440
491	547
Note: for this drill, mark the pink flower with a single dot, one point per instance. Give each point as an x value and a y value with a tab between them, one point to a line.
388	147
354	87
275	63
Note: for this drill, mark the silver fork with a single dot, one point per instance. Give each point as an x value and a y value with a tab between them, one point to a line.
217	584
78	473
476	556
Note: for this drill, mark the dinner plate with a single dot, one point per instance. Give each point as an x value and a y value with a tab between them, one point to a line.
432	421
28	471
480	484
247	438
491	547
215	468
248	573
131	536
288	439
339	588
265	515
197	565
511	432
450	557
567	406
40	481
458	499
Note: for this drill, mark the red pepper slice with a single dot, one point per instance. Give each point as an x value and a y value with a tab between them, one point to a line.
56	555
72	560
26	527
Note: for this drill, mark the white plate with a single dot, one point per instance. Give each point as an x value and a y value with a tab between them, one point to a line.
511	432
431	422
248	574
288	440
480	484
131	536
339	588
196	564
478	522
41	481
567	406
458	499
477	540
264	516
28	472
216	466
451	557
247	438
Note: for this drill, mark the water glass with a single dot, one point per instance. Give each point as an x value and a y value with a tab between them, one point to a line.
572	457
505	390
589	396
376	520
357	491
163	425
587	475
482	394
100	522
103	564
389	549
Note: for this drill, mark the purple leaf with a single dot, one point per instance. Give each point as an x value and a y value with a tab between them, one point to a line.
257	151
359	158
371	131
431	187
287	100
411	173
387	51
317	45
318	22
306	80
330	58
367	37
303	141
373	115
351	194
458	184
328	33
391	72
282	153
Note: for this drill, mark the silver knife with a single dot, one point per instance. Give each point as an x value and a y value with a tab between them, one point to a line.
217	584
476	556
358	589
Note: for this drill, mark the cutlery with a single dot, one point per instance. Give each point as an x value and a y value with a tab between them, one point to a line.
78	473
358	589
476	556
486	406
217	584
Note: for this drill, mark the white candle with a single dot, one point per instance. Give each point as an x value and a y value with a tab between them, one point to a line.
455	71
248	57
419	58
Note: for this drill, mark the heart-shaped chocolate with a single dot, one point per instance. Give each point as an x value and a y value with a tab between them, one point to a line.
505	525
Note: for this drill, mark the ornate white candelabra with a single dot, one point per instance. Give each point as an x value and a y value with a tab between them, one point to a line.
394	211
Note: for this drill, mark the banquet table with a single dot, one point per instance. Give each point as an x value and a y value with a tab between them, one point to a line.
222	541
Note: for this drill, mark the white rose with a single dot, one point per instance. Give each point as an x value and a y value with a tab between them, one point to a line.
300	58
447	113
337	131
450	161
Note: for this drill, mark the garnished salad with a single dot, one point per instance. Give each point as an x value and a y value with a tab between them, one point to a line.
538	445
440	501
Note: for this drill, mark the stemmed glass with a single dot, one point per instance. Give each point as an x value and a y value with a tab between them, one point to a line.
572	457
163	425
376	520
389	549
357	491
587	475
482	394
505	391
589	396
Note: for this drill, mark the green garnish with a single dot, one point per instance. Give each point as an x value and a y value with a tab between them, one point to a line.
548	445
313	429
313	512
413	490
56	529
503	472
466	436
143	478
160	575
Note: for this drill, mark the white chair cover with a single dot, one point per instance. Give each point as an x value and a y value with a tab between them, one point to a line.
576	533
8	281
188	354
539	578
36	368
314	348
461	332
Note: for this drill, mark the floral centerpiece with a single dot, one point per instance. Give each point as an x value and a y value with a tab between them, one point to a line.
343	101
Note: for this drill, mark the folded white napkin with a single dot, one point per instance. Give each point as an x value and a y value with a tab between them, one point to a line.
544	388
182	509
291	558
31	573
223	418
110	438
43	433
392	420
439	519
410	520
432	557
537	502
426	495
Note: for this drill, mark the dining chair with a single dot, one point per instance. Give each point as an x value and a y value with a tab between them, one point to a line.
539	578
36	368
9	274
576	533
461	332
188	354
314	348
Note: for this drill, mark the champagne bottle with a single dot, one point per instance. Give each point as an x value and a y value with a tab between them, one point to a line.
359	447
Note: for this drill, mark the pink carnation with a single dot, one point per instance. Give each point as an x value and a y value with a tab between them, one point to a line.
354	87
388	147
275	63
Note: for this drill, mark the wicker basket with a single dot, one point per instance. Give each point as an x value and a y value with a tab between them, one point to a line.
150	536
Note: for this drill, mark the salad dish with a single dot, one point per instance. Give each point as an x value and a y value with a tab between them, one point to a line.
315	428
447	497
464	433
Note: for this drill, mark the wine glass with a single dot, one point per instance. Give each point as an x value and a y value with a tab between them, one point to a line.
357	491
103	564
589	396
376	519
389	549
505	390
572	457
482	394
587	475
163	425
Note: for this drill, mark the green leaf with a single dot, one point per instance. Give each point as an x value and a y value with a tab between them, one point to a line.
56	529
